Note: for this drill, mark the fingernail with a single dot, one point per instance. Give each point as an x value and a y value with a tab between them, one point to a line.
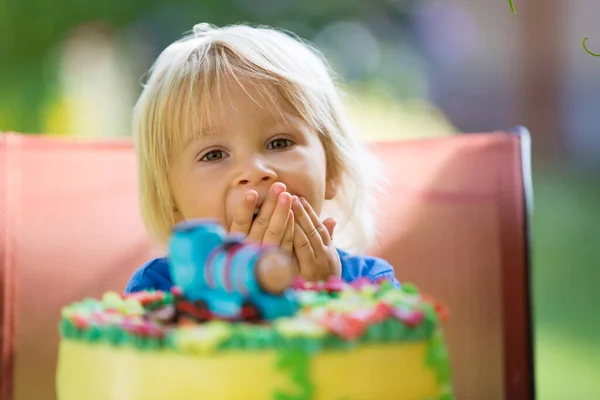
249	196
278	188
296	201
283	199
303	200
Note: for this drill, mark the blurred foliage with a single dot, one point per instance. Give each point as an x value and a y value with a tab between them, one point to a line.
566	254
379	116
32	29
567	238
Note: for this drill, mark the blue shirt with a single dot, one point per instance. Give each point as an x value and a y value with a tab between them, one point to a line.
155	273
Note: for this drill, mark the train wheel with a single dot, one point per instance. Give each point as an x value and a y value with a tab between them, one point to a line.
202	312
250	312
186	320
196	311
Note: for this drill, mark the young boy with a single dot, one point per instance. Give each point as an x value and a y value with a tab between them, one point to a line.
245	125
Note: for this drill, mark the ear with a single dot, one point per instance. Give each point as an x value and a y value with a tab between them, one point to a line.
177	215
331	187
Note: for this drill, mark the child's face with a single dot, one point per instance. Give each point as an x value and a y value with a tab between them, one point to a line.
247	148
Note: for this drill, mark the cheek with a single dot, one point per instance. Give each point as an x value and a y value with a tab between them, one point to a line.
204	204
309	160
197	198
307	179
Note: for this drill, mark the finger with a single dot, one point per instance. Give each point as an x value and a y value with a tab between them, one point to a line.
304	253
287	243
260	224
330	225
242	220
277	224
325	235
303	219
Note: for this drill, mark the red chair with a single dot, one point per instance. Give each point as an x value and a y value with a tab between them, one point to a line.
455	223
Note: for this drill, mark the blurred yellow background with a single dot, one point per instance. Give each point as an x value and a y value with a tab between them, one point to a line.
412	69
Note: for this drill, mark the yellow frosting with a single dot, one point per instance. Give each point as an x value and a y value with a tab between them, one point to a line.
98	371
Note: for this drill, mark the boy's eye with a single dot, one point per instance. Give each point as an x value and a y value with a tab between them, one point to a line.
214	155
278	144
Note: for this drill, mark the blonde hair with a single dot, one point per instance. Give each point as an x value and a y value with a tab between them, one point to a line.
180	86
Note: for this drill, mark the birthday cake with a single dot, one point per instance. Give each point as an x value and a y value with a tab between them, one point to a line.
241	326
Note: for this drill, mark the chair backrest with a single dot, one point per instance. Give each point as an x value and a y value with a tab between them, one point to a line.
454	223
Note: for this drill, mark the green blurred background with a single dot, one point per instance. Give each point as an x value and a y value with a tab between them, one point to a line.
414	68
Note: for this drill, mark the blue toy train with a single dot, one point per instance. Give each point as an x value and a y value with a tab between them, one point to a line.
218	276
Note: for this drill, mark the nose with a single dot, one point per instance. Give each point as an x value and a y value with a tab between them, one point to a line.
255	172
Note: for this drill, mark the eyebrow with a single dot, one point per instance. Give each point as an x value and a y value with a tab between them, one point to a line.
285	118
267	121
209	131
206	132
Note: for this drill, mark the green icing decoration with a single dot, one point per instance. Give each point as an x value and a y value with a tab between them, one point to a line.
410	288
128	339
170	341
297	364
104	319
255	337
153	343
437	358
236	341
165	301
419	332
386	285
430	314
140	342
305	344
114	335
67	329
447	394
93	333
249	337
395	329
265	338
373	334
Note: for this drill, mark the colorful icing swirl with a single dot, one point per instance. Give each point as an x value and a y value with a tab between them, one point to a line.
332	314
